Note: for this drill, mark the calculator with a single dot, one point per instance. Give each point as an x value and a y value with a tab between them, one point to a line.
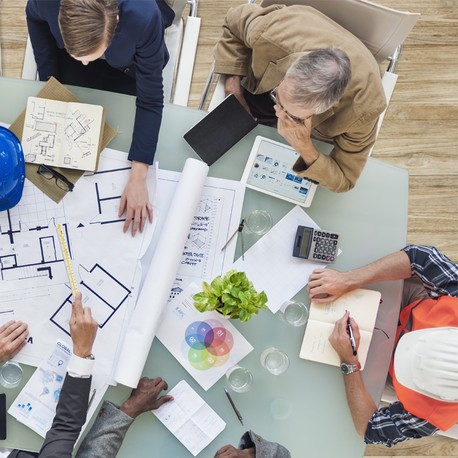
316	244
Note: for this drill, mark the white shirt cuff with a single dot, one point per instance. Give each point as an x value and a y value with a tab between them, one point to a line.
80	367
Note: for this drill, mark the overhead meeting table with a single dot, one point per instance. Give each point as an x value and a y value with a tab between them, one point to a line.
305	408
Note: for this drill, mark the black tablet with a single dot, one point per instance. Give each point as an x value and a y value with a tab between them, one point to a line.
220	129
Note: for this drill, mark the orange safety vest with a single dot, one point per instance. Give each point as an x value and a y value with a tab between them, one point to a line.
424	314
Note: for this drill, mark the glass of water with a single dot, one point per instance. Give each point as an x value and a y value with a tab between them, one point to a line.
274	360
10	374
294	313
258	222
239	379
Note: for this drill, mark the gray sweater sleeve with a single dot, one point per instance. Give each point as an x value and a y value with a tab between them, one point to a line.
107	433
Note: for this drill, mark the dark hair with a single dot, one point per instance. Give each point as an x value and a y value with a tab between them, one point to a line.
86	25
318	79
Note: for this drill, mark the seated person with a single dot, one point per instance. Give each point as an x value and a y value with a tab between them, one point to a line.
296	69
113	45
424	367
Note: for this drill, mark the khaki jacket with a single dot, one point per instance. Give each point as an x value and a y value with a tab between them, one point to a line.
262	43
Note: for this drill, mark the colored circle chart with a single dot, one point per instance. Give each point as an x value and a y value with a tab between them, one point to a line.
207	344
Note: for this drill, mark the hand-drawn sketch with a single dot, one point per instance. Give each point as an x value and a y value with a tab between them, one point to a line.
62	134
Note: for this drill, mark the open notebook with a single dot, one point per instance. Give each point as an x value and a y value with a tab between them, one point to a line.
363	306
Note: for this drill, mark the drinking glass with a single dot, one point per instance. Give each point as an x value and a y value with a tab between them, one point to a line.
274	360
239	379
294	313
10	374
258	222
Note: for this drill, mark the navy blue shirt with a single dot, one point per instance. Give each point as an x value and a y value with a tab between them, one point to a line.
138	45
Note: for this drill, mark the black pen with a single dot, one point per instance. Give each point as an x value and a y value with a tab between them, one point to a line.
352	337
91	399
233	406
239	229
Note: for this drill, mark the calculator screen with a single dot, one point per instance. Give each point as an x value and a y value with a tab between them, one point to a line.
306	235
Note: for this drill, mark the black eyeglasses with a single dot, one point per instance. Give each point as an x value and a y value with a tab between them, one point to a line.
295	119
61	181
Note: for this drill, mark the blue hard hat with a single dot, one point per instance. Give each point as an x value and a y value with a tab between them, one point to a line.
12	169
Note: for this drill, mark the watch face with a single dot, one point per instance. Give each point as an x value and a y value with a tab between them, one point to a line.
345	368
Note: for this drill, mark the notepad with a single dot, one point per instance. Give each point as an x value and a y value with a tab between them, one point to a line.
62	134
189	418
363	307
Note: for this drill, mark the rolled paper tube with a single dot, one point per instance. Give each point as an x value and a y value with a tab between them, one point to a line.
161	274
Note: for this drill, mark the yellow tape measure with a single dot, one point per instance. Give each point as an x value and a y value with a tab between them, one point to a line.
67	261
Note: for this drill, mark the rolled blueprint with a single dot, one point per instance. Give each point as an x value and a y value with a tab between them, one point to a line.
159	279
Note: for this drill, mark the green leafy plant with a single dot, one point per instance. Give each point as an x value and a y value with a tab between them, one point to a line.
233	295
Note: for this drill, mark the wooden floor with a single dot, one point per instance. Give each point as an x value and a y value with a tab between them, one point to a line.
420	131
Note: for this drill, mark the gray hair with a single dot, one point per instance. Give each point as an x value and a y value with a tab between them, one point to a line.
318	79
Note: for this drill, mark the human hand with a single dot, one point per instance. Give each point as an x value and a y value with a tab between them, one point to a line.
135	200
83	328
229	451
145	397
13	337
232	86
297	135
340	340
326	285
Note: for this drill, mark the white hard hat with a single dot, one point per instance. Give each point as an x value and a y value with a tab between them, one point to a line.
426	361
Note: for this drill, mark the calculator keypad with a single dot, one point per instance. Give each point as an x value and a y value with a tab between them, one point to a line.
324	246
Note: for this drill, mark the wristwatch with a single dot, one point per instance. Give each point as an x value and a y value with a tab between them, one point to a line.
350	368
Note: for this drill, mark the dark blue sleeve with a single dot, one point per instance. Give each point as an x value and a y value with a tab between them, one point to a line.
438	273
150	58
44	35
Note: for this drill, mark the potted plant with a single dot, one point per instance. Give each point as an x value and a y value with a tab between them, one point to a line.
232	295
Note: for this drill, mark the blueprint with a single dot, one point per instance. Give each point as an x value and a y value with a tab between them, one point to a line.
34	286
107	264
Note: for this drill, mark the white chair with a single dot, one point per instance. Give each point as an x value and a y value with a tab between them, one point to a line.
181	39
383	30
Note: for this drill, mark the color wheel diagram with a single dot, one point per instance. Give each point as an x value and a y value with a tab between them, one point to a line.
207	344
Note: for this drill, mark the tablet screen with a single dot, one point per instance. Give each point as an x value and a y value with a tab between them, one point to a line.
269	169
220	129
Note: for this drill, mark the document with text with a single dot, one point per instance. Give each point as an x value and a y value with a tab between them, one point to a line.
189	418
363	307
62	134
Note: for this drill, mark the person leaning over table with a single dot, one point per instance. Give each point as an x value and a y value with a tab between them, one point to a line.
424	367
296	69
113	45
74	396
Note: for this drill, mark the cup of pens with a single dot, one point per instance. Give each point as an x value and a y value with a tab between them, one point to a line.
239	379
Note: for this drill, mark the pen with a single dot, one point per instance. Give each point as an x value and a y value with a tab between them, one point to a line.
352	337
233	406
239	229
91	399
